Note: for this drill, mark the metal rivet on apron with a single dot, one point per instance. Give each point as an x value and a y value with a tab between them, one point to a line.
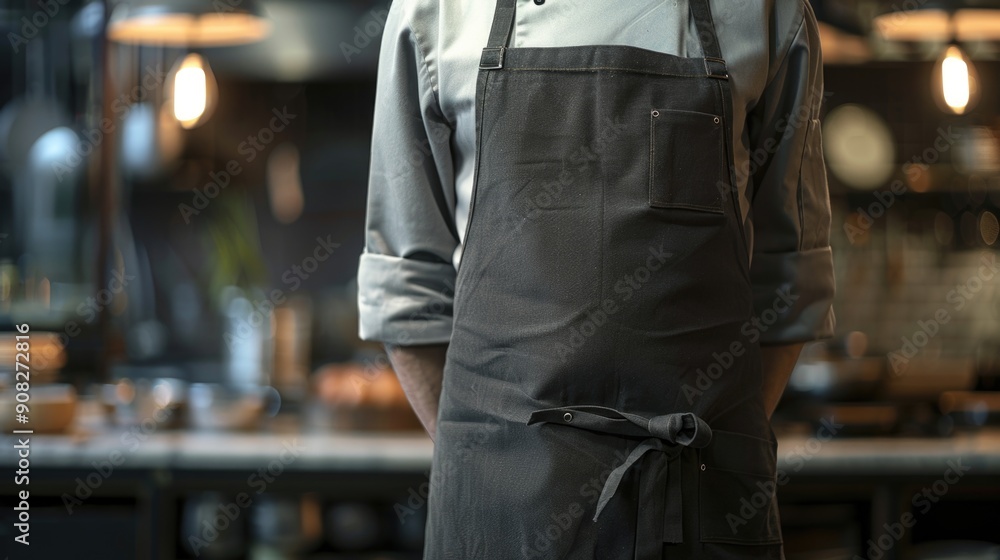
716	120
703	467
567	417
656	113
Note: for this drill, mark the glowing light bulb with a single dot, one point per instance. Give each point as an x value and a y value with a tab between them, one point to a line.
957	81
193	91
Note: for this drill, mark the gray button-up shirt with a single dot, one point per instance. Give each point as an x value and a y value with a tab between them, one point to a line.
423	149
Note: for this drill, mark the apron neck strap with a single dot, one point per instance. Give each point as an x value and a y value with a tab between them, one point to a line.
503	24
702	14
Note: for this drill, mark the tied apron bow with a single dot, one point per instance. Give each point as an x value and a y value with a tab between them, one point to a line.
659	489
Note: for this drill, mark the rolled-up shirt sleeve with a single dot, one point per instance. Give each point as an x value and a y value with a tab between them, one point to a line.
406	275
792	264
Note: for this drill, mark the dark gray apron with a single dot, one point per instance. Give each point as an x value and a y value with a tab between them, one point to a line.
599	398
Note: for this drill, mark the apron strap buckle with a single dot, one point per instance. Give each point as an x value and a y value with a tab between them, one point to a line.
492	58
716	68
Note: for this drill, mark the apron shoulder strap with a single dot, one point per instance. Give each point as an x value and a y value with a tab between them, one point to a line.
702	14
503	24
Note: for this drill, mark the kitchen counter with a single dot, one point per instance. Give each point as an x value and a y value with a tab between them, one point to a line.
154	473
797	455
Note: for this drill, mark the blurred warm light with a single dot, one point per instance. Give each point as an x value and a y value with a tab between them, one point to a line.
936	25
918	177
856	344
48	354
187	23
192	90
977	25
125	391
956	80
914	25
858	146
839	47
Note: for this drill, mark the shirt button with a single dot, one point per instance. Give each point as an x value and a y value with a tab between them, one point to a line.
703	467
539	2
567	417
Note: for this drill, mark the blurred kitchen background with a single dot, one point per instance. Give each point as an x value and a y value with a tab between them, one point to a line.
182	193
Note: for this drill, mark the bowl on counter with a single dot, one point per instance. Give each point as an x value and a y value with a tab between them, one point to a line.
127	402
216	407
50	409
360	397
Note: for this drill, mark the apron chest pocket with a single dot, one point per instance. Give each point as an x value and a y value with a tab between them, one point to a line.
737	485
687	160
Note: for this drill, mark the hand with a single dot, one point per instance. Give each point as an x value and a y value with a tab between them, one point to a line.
420	370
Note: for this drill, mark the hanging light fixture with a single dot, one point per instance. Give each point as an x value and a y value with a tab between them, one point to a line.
194	23
192	89
955	84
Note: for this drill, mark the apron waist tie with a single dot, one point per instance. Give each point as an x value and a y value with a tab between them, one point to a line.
659	490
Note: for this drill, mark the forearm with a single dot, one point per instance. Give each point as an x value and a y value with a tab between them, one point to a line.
777	362
420	370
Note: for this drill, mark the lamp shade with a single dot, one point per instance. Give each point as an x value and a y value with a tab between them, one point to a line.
940	20
197	23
